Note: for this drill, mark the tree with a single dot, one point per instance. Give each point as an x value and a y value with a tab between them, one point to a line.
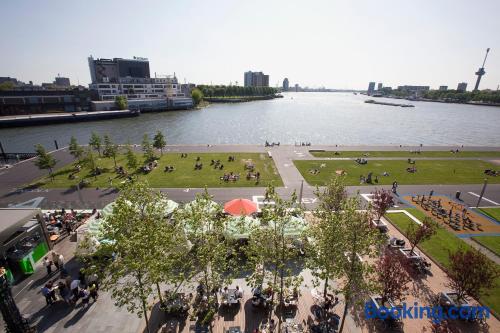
7	86
90	162
121	102
197	96
44	160
131	159
382	200
392	277
357	238
320	259
141	240
159	142
417	233
147	148
271	249
471	273
95	142
212	258
75	149
110	149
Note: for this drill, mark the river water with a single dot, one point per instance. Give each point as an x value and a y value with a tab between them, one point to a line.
319	118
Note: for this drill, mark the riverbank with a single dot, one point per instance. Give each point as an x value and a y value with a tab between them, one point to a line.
240	99
56	118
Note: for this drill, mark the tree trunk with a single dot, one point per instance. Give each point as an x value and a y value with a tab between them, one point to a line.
325	290
412	248
343	317
114	160
144	305
159	292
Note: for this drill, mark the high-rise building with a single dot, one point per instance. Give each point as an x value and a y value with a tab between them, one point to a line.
443	88
131	78
462	87
286	84
111	70
379	86
62	82
256	79
371	88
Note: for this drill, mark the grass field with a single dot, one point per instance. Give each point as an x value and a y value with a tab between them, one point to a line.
492	243
494	213
428	171
183	176
438	247
407	154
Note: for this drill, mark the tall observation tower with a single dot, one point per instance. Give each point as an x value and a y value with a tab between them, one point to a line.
481	71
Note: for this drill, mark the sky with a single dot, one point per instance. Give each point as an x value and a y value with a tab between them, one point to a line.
335	44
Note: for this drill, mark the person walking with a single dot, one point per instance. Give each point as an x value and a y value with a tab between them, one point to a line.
60	261
85	295
55	259
93	291
48	265
49	293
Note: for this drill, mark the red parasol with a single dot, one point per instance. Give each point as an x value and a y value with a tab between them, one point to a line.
240	207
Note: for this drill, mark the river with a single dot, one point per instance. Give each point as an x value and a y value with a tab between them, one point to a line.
319	118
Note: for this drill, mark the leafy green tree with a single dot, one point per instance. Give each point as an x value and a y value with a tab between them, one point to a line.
147	148
197	96
95	142
90	162
75	149
357	239
110	149
212	253
121	102
132	162
44	161
7	86
271	249
140	239
322	261
159	142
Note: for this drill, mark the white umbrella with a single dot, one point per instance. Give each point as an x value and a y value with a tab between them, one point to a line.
240	227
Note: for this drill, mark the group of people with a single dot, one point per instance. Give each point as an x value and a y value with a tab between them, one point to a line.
168	168
150	166
307	144
56	260
230	177
217	164
70	291
267	144
184	155
63	222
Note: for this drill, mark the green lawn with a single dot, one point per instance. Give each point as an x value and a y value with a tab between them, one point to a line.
183	176
494	213
407	154
490	242
428	171
438	248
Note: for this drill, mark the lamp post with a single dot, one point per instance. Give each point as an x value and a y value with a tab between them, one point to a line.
482	192
14	322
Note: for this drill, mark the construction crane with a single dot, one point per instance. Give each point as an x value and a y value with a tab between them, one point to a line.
481	71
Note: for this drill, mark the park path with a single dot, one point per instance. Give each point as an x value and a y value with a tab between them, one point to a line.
490	254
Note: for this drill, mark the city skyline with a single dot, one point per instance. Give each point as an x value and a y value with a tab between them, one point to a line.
332	44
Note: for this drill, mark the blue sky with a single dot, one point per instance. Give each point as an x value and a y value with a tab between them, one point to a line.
338	44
